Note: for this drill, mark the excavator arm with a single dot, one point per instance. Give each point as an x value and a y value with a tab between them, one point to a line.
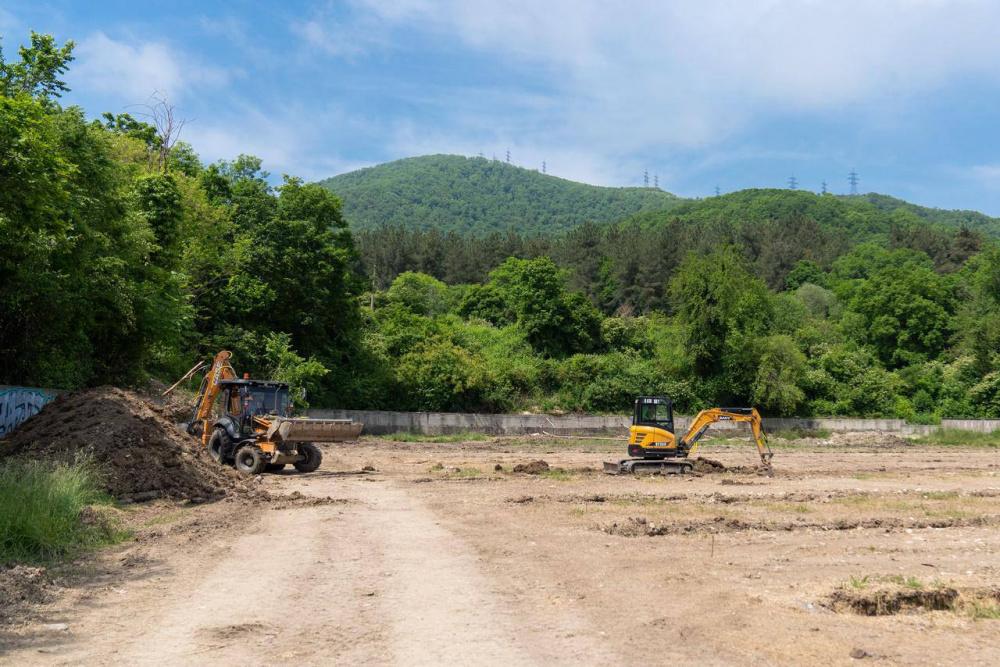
221	370
706	418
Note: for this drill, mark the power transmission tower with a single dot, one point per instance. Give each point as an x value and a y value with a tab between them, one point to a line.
823	188
480	154
508	156
853	179
645	178
656	181
793	183
543	167
717	191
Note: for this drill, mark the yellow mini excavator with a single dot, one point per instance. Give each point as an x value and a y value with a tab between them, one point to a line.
253	428
655	448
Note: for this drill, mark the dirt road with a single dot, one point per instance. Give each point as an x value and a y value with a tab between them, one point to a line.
372	578
444	555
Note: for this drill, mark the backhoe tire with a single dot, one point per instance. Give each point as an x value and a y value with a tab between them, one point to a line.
217	444
312	457
274	467
250	460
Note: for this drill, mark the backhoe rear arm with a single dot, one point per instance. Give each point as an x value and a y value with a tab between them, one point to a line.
209	391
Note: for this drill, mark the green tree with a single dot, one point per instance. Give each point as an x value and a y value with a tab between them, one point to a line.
721	306
38	70
908	312
780	372
555	322
420	293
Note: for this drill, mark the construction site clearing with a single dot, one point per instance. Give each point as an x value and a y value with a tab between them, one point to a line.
855	547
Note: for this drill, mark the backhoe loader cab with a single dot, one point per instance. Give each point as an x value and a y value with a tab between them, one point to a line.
242	400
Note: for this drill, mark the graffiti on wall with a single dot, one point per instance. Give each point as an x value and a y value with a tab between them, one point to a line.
19	403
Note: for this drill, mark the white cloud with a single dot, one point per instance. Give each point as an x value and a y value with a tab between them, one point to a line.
985	174
655	76
133	71
279	137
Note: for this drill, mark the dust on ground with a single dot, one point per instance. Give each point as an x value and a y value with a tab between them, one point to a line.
443	553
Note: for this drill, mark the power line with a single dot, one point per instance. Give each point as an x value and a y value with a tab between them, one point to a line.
853	179
793	183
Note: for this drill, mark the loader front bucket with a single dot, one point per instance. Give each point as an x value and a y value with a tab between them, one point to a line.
313	430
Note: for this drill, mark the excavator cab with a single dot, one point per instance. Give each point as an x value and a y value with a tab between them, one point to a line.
655	411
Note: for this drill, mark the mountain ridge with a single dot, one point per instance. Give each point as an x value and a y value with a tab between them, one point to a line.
474	195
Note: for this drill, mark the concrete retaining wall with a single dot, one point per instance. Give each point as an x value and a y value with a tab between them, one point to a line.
378	422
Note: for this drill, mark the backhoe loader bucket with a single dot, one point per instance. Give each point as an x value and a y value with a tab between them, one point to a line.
313	430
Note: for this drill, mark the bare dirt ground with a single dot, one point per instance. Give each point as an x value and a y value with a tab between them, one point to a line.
438	557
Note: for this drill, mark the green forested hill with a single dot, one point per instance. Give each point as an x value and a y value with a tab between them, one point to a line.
957	218
857	217
455	193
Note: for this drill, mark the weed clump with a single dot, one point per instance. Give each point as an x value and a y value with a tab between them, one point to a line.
50	511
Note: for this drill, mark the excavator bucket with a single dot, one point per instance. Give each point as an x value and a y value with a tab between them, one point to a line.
313	430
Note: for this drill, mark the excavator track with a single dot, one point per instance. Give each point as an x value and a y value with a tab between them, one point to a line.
648	466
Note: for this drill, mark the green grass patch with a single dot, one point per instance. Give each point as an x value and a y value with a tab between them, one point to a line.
960	438
420	437
859	583
983	609
908	582
53	511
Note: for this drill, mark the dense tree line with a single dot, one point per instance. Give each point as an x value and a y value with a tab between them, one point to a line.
123	256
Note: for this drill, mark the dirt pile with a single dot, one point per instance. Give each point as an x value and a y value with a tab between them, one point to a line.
139	452
177	406
707	466
884	601
532	468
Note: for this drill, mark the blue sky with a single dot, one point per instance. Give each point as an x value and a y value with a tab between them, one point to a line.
728	93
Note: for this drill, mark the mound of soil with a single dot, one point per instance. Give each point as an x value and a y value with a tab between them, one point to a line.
533	468
886	601
139	452
177	406
705	466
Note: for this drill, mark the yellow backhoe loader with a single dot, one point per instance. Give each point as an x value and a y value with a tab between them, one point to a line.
655	448
253	428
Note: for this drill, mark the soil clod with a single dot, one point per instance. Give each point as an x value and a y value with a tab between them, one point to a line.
532	468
